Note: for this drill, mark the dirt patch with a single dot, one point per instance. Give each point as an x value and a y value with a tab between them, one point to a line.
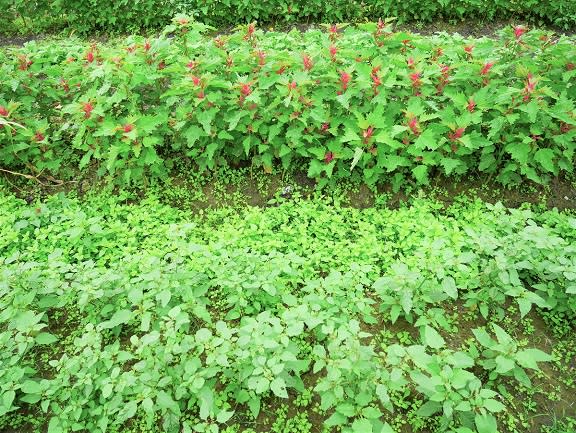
18	41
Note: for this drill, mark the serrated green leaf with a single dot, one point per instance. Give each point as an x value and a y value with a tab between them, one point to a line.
546	159
421	174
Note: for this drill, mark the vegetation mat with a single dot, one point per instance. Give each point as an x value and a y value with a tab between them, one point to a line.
303	316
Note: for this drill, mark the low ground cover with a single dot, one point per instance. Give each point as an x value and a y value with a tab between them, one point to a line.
302	316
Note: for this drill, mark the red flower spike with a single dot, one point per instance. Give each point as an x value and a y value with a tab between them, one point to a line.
245	89
128	128
486	68
307	62
147	46
325	126
530	83
410	62
192	65
570	66
291	86
24	63
519	31
415	78
367	134
161	65
261	58
90	56
250	31
3	111
344	80
413	125
38	136
196	80
456	134
87	107
201	94
333	50
565	128
65	85
328	157
471	105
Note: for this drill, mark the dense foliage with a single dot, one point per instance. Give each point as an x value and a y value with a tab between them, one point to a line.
375	103
130	318
87	16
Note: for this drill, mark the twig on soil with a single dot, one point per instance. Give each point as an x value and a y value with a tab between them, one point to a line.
55	182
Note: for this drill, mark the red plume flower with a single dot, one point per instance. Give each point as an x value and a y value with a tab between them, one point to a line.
87	107
307	62
486	68
344	80
519	31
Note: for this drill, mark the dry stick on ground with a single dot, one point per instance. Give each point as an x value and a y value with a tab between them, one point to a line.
55	182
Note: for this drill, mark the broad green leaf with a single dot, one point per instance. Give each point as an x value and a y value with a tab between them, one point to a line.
278	387
483	337
493	405
346	409
31	387
431	337
46	338
546	159
165	401
362	425
503	364
528	358
486	423
421	174
449	287
429	408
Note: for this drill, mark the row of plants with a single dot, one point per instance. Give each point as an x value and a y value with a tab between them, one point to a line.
365	101
87	16
182	324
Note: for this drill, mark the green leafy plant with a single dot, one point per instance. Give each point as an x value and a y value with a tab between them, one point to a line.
503	356
325	100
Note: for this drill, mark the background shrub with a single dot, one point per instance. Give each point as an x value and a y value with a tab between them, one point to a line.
88	16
